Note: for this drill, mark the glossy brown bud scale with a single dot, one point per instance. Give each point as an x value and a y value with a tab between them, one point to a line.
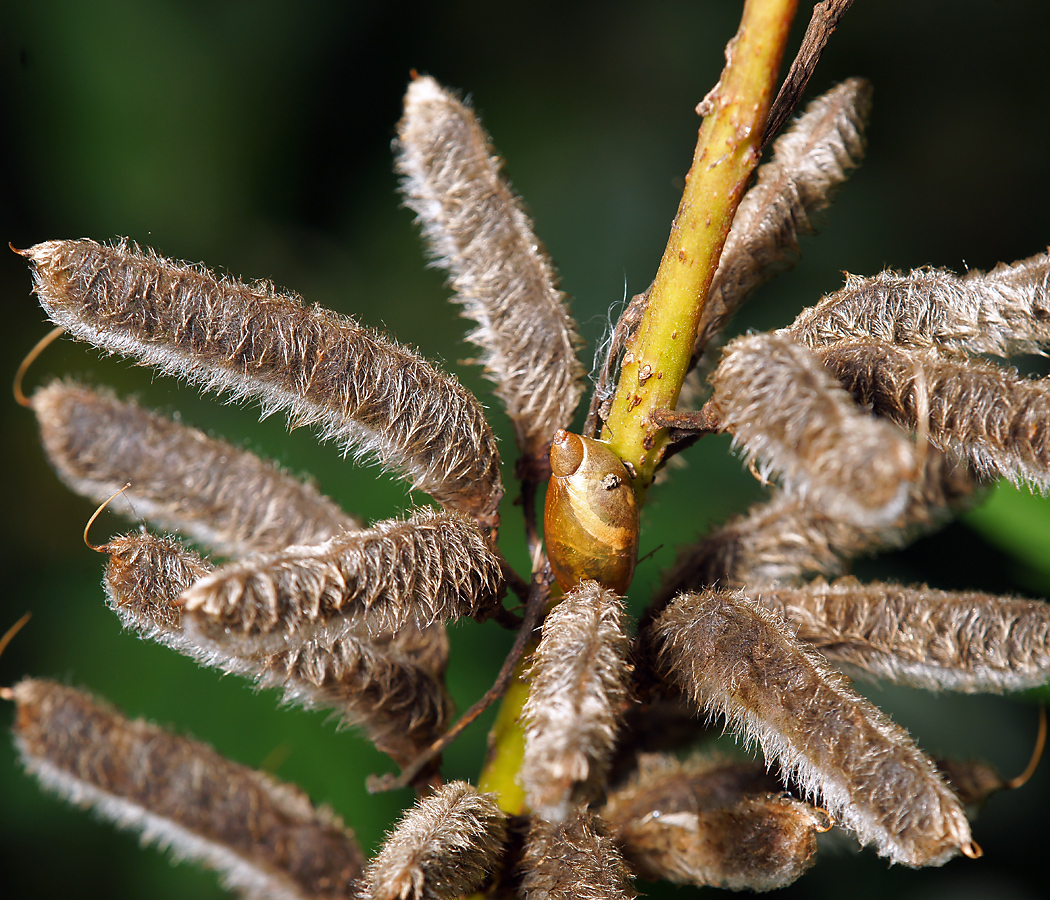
590	519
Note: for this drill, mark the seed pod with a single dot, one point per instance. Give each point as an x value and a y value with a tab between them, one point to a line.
445	847
264	837
579	677
573	860
375	397
711	821
590	520
727	653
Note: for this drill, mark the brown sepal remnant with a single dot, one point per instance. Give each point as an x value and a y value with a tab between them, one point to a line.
445	847
810	161
265	837
397	700
181	479
785	540
973	409
431	567
713	823
733	657
613	349
939	640
579	691
1002	312
794	420
476	229
323	369
573	860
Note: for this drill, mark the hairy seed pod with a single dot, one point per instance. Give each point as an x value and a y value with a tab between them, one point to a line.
378	399
712	821
573	860
432	567
446	846
733	657
964	641
579	678
968	408
477	231
216	494
793	420
396	697
265	837
1002	312
810	161
590	520
786	541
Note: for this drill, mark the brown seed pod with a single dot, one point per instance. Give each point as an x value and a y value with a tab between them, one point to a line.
264	837
734	657
478	232
712	821
377	398
579	675
590	520
446	846
573	860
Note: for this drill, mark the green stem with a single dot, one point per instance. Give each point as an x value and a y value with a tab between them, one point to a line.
658	357
507	745
727	150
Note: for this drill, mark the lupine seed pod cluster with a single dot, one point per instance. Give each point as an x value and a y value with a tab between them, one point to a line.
875	417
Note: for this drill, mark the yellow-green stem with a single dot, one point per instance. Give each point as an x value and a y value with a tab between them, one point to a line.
657	359
507	745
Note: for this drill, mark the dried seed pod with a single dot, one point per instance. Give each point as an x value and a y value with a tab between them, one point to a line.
426	647
965	407
444	847
263	836
713	823
573	860
579	673
398	702
810	161
738	659
940	640
702	781
181	479
786	541
477	231
795	420
144	579
590	518
360	388
432	567
1003	312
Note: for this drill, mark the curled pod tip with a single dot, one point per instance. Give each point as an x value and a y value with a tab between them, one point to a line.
590	519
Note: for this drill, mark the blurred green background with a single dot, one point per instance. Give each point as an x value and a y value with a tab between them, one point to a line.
255	136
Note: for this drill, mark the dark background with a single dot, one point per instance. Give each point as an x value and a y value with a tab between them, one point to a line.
255	137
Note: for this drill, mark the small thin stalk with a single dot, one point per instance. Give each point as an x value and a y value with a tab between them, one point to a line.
499	775
727	152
